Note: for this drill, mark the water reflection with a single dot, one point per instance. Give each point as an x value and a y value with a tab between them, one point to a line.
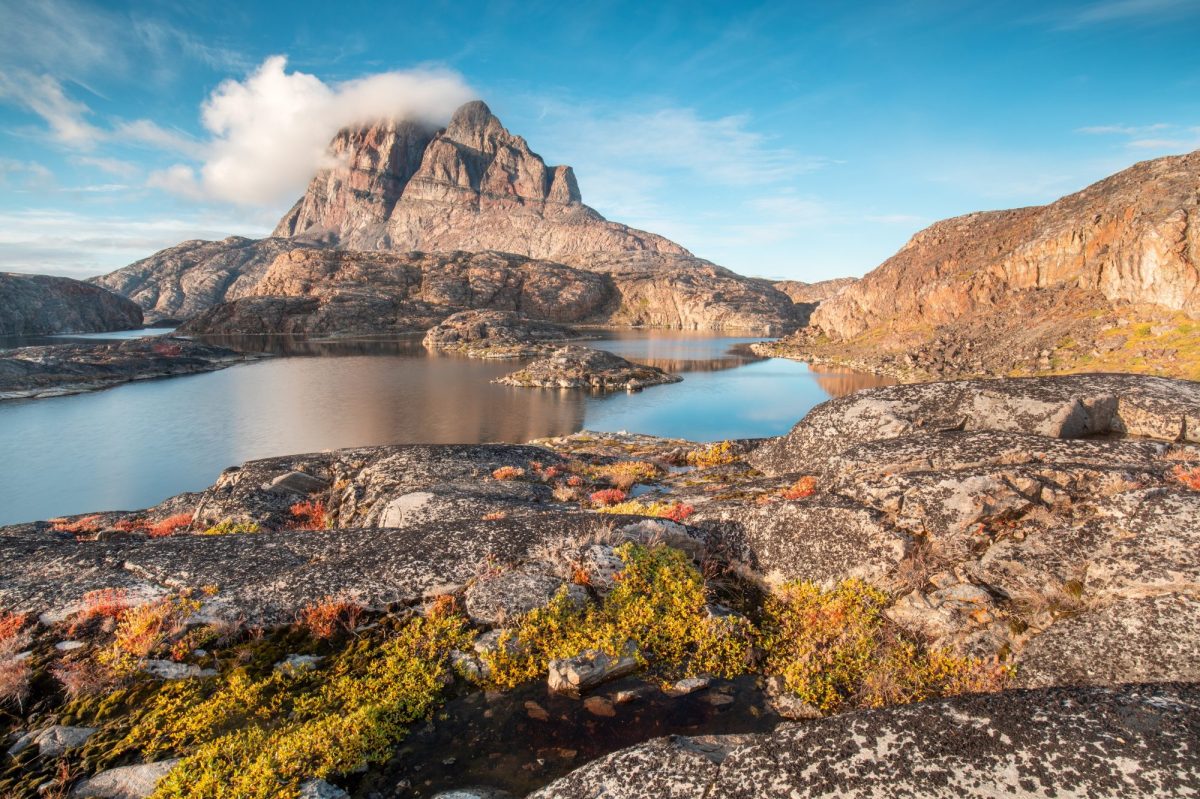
12	342
136	444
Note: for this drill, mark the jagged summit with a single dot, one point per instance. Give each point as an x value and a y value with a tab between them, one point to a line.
470	186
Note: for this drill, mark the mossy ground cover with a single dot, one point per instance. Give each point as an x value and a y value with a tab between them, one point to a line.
257	731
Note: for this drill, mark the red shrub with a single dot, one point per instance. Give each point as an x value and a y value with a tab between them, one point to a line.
804	487
106	603
678	512
1189	477
608	496
309	516
574	481
169	525
13	636
508	473
323	619
167	350
85	524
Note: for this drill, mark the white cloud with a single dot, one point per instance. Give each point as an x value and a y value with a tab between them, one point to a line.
1109	11
270	132
47	241
113	166
151	134
27	174
1162	137
721	150
44	96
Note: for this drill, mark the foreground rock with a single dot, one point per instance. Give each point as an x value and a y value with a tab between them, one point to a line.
1072	558
39	305
583	367
54	370
1107	278
495	334
1136	741
126	782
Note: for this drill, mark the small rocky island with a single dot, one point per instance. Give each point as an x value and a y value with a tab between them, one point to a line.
496	334
583	367
41	305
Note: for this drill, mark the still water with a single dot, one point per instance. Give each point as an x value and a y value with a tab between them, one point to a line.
134	445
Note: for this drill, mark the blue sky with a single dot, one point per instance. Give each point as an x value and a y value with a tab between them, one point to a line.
798	140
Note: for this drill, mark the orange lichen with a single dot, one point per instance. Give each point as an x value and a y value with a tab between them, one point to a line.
1189	477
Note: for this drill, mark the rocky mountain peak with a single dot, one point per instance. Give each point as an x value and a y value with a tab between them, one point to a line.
471	186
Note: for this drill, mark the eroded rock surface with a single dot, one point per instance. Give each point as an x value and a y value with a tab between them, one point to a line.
38	305
1136	741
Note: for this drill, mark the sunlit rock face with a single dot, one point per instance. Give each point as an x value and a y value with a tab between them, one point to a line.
1131	238
472	186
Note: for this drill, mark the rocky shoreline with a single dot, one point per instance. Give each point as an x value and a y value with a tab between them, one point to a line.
976	536
59	369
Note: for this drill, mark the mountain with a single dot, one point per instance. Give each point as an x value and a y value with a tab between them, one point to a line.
473	186
1106	278
433	200
36	305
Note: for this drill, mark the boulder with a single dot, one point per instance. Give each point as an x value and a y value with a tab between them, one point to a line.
1069	406
1134	741
573	676
126	782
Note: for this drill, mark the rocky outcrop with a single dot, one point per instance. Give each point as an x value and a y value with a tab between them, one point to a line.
495	334
335	292
1041	289
583	367
1135	741
813	294
321	292
51	371
180	281
430	199
688	293
473	186
39	305
1131	237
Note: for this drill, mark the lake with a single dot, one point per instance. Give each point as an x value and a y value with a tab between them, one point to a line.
134	445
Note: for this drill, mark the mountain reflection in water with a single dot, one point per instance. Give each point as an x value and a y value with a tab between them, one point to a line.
134	445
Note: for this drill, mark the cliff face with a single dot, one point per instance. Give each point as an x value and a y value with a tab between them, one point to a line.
1133	238
34	305
473	186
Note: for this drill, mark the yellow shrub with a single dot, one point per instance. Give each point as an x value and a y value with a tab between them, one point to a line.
230	527
717	454
259	737
658	605
833	649
625	474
